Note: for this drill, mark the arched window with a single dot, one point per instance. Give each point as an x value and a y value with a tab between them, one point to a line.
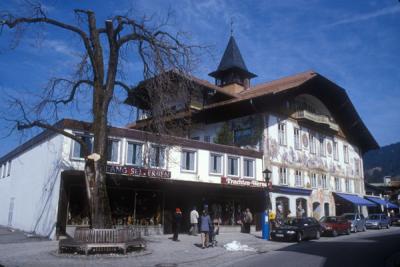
301	207
282	206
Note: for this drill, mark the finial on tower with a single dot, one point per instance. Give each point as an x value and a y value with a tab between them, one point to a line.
231	26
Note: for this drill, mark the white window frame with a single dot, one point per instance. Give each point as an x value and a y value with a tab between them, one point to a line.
283	174
118	152
357	167
186	150
347	185
164	163
346	153
254	167
221	164
238	166
282	133
298	178
128	141
324	181
314	180
313	144
335	147
322	146
338	186
296	134
73	143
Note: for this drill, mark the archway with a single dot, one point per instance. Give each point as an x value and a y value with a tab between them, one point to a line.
301	207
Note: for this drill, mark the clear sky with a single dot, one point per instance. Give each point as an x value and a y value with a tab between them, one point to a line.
353	43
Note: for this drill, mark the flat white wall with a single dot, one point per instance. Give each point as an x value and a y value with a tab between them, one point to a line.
33	186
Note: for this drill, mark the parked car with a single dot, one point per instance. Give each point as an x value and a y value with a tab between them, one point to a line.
335	225
377	221
297	229
395	220
357	221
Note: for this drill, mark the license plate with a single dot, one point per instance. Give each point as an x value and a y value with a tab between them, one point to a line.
279	235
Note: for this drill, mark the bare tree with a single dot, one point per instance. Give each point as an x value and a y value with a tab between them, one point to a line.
162	53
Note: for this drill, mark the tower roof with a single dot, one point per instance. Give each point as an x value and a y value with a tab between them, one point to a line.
232	60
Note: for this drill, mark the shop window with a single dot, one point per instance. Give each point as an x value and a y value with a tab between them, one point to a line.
157	156
337	184
113	150
282	133
298	178
248	167
233	166
346	153
335	151
188	160
282	207
77	151
283	176
216	163
301	207
134	156
314	180
297	138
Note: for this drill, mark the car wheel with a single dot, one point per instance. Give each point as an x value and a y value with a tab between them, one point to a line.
355	229
334	233
380	227
318	235
299	237
348	231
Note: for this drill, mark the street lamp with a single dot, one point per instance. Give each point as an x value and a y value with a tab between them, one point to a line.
265	218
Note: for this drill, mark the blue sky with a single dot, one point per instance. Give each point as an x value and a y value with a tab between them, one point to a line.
353	43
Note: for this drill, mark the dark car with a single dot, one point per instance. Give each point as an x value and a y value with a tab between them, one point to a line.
377	221
395	220
357	221
297	229
335	225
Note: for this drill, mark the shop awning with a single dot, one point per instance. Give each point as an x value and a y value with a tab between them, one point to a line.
356	200
291	190
382	202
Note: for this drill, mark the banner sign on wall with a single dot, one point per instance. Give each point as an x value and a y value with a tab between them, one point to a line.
138	171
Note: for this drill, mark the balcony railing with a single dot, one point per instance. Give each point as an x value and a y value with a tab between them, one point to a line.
316	118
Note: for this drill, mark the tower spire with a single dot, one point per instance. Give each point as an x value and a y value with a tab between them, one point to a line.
231	26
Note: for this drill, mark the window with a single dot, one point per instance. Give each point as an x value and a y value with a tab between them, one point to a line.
216	163
242	135
322	150
313	144
337	184
233	166
313	180
3	170
324	183
347	184
248	167
283	178
9	168
298	178
357	167
207	138
77	151
197	138
157	156
188	160
113	150
346	153
282	133
134	154
335	151
297	138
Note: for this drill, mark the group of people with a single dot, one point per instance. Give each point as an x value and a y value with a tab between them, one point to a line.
206	224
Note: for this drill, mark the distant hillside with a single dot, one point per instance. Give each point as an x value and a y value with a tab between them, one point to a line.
382	162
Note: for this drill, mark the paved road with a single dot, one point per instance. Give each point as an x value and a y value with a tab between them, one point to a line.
372	248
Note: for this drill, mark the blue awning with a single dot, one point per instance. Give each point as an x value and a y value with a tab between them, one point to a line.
382	202
291	190
356	200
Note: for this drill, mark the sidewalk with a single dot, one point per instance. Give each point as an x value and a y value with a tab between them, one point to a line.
16	249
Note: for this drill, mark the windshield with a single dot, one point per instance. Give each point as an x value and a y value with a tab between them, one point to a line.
329	219
292	222
373	217
349	217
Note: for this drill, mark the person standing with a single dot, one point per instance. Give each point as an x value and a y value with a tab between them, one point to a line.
194	221
176	225
248	219
205	226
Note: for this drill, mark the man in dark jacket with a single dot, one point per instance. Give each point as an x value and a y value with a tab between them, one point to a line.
176	225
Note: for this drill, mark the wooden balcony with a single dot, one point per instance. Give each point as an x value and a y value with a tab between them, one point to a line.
316	119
